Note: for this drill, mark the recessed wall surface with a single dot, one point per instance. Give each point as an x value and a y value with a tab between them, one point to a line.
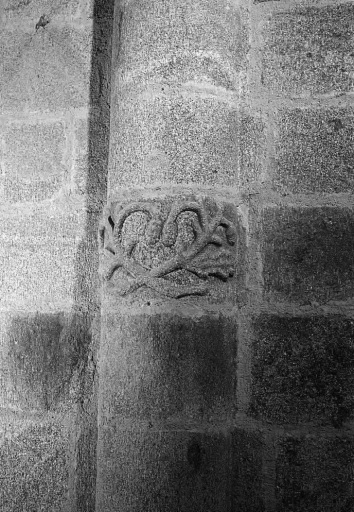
53	137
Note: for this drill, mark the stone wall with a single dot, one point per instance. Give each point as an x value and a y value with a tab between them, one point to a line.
245	405
54	118
298	333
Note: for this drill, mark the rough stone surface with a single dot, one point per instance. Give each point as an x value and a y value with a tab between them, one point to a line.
91	156
314	473
314	151
247	477
47	70
159	44
170	470
180	471
172	139
34	469
38	260
43	353
172	246
309	50
33	160
17	10
167	368
308	253
303	369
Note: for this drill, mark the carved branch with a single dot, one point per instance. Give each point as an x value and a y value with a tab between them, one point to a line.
194	258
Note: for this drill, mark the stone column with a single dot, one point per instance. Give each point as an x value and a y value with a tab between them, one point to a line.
172	258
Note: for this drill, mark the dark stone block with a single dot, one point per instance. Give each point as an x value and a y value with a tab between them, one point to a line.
247	479
309	50
308	253
315	151
303	369
315	474
178	471
44	352
168	366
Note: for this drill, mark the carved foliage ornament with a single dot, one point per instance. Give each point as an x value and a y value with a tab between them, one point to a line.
171	248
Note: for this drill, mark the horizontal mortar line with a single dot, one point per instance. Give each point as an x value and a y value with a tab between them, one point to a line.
188	308
58	208
45	117
311	427
8	415
30	309
186	90
270	199
280	6
312	308
221	192
225	426
262	99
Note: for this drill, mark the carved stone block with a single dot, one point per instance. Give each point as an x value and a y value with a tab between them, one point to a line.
171	245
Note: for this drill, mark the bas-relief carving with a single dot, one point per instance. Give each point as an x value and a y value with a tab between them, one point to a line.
170	247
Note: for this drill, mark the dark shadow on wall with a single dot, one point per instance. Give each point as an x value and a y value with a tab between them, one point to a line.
87	304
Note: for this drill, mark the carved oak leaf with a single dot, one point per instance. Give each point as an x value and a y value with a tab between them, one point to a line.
208	255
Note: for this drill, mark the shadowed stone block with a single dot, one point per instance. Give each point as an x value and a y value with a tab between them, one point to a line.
247	487
315	473
178	471
166	367
303	370
308	253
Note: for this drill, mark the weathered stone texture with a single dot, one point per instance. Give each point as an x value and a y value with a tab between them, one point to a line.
314	473
173	139
38	256
33	160
47	70
168	368
34	468
247	487
198	41
170	470
303	369
315	151
308	253
181	471
309	50
18	10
